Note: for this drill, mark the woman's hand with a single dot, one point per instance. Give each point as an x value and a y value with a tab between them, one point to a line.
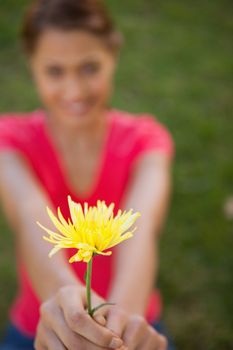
65	324
133	329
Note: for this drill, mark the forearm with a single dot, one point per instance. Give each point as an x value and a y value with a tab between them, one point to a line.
46	275
137	260
135	276
24	202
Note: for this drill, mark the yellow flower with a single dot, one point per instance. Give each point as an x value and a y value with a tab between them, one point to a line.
91	231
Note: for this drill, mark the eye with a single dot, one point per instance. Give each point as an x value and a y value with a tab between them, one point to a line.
54	71
90	68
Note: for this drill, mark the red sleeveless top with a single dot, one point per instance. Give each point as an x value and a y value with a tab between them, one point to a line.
128	137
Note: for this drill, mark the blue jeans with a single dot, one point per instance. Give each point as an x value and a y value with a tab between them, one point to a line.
161	328
15	340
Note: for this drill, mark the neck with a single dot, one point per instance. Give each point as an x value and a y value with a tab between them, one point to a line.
77	137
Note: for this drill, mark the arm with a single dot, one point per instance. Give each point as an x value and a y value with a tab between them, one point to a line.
137	259
24	202
63	316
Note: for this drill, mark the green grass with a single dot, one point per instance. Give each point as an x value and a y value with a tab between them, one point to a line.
176	64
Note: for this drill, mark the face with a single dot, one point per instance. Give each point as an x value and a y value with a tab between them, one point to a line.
73	71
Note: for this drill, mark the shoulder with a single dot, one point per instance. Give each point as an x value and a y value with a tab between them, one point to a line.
143	132
19	119
17	128
139	124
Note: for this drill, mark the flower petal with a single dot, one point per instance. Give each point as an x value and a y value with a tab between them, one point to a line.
91	230
57	223
54	251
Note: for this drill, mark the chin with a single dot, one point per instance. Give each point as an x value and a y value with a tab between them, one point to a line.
76	120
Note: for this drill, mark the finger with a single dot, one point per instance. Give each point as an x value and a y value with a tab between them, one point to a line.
136	330
80	322
153	341
55	321
99	315
53	318
100	319
38	345
163	343
84	325
53	342
116	320
48	340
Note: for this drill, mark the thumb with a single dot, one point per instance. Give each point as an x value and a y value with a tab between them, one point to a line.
100	319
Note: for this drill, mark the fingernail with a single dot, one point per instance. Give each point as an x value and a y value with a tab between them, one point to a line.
115	343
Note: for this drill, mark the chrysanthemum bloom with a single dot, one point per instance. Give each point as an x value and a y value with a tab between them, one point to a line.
92	230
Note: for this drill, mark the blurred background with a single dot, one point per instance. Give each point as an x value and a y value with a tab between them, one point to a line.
176	64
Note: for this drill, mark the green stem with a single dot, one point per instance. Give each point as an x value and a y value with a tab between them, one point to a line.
88	286
88	291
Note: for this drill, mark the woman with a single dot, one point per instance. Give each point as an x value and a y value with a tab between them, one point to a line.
76	145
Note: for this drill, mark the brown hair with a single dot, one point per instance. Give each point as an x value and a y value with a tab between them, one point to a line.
87	15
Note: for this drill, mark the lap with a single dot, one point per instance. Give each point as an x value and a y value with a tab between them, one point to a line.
161	328
15	340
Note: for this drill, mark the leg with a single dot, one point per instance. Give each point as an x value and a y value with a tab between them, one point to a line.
159	327
15	340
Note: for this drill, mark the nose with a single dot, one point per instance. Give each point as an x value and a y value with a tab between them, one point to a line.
74	89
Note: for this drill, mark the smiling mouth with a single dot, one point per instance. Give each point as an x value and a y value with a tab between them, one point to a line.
77	108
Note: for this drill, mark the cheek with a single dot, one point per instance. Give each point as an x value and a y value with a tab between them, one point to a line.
102	86
46	89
